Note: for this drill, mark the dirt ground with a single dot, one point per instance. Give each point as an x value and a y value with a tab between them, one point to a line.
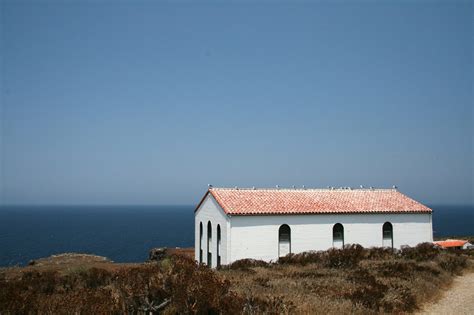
459	299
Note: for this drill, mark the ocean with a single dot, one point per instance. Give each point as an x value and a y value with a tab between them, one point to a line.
127	233
121	233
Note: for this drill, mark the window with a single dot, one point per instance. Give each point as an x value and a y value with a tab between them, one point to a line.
218	245
200	242
209	244
338	235
387	234
284	240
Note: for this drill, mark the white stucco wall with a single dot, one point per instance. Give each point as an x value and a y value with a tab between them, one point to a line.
257	236
210	211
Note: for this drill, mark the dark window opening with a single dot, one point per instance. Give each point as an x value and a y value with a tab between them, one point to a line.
218	245
284	240
209	244
338	235
200	242
387	234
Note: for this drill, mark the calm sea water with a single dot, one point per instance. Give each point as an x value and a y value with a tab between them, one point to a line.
126	233
123	233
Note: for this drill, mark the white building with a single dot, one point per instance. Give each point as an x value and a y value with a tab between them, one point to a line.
237	223
458	244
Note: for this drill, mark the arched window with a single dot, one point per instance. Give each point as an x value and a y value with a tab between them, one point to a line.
218	245
387	234
338	236
200	242
209	244
284	240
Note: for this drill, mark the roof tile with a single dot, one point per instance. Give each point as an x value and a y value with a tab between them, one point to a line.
242	201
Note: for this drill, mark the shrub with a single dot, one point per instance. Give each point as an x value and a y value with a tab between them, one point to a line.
80	301
262	281
42	282
396	268
452	263
348	257
404	269
246	264
346	280
278	305
422	252
367	290
307	274
267	305
14	295
381	253
86	278
140	287
252	305
397	299
195	288
96	277
183	287
303	259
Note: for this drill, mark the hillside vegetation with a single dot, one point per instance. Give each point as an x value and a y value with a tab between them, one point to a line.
353	279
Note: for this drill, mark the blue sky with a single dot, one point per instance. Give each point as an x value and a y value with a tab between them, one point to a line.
147	103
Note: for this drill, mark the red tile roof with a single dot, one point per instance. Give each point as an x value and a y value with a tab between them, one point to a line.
241	201
450	243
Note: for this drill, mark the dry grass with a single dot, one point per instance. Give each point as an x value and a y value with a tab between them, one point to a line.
176	285
353	280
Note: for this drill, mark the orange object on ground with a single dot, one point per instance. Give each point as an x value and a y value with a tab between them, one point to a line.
451	243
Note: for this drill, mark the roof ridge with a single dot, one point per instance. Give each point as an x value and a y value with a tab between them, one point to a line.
304	189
